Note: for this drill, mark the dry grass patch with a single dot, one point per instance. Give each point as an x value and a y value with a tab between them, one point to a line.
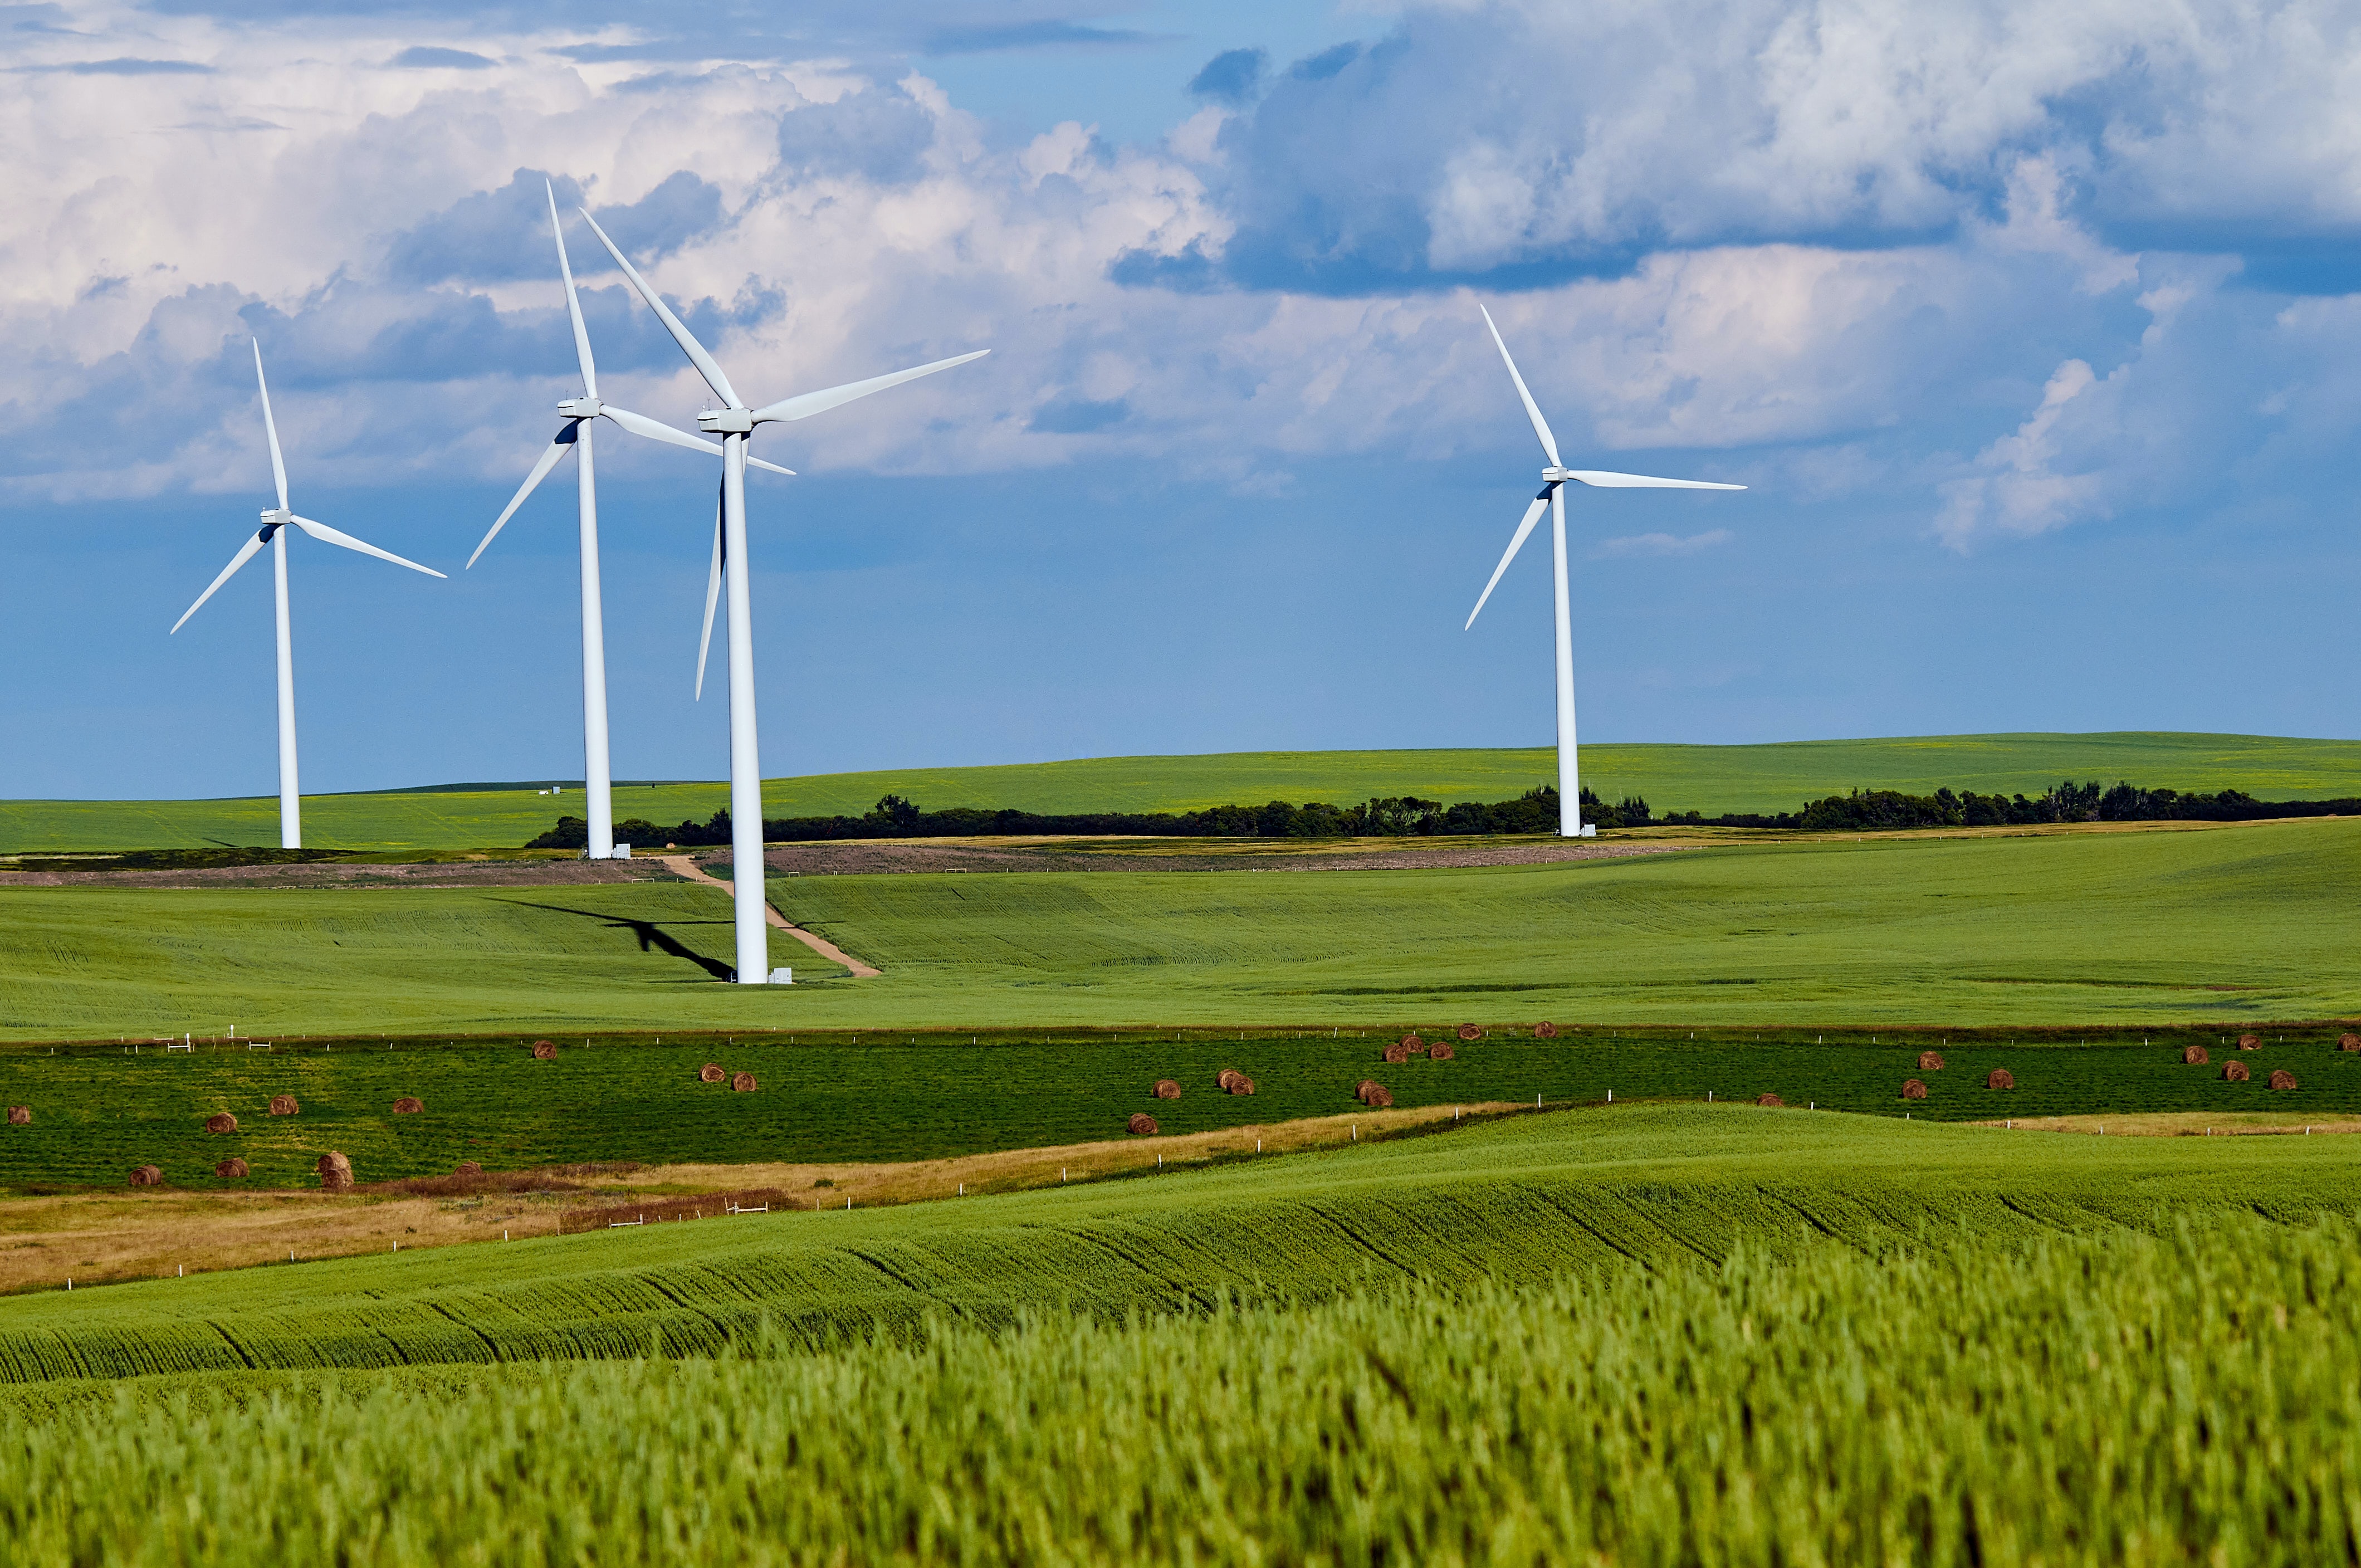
2184	1123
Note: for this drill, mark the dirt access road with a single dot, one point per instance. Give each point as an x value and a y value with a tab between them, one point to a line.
689	871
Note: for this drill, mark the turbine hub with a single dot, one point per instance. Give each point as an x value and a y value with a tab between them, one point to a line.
581	408
726	421
1556	476
273	519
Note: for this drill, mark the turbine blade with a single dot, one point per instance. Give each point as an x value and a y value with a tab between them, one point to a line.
1532	516
1607	481
680	335
557	449
1532	410
809	403
246	553
271	428
656	430
712	597
326	535
573	303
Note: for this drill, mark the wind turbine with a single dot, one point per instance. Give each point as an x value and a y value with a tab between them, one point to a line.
575	433
734	423
272	533
1553	498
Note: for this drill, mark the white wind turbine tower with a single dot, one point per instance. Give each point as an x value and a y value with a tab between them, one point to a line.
597	776
273	533
734	422
1553	497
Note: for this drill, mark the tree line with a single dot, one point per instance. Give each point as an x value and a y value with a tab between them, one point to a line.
1535	811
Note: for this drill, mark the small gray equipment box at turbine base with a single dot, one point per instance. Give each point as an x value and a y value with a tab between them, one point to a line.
622	852
783	977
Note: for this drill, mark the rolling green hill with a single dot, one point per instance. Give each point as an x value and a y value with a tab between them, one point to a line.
1521	1201
2125	927
1712	779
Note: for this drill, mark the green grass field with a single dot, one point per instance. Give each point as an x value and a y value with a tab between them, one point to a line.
1523	1200
1722	1335
2249	922
1712	779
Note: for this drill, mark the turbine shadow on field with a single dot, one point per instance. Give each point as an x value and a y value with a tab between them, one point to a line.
650	935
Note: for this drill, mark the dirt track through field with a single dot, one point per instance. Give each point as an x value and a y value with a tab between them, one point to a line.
688	871
145	1233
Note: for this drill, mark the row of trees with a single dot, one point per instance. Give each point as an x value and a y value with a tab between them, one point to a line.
892	817
1535	811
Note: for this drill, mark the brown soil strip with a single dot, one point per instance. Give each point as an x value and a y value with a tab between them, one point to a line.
685	867
98	1237
871	857
433	873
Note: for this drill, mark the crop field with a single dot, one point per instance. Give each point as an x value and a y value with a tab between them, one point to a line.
1712	779
846	1097
2187	1399
2116	929
1523	1201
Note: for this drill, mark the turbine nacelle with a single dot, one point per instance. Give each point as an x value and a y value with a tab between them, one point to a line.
726	421
581	408
273	519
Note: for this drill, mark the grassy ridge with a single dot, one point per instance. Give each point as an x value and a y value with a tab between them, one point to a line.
1521	1201
848	1098
1712	779
2185	1399
2253	921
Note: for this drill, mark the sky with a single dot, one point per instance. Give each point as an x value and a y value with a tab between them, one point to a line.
2035	331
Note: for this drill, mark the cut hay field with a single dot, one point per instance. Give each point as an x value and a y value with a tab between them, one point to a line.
837	1096
1645	1334
2220	925
1712	779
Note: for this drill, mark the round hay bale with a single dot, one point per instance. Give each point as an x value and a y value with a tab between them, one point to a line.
469	1168
1470	1032
712	1072
231	1169
1167	1089
1379	1097
408	1105
1768	1100
336	1172
1361	1090
1141	1124
1397	1052
1440	1051
1913	1090
742	1083
2194	1055
1545	1030
2250	1042
221	1122
1411	1042
2235	1073
20	1115
543	1051
2000	1078
2282	1078
1227	1076
2348	1042
1931	1061
145	1176
1241	1084
283	1105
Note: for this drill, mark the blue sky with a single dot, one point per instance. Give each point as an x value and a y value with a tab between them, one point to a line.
2032	328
